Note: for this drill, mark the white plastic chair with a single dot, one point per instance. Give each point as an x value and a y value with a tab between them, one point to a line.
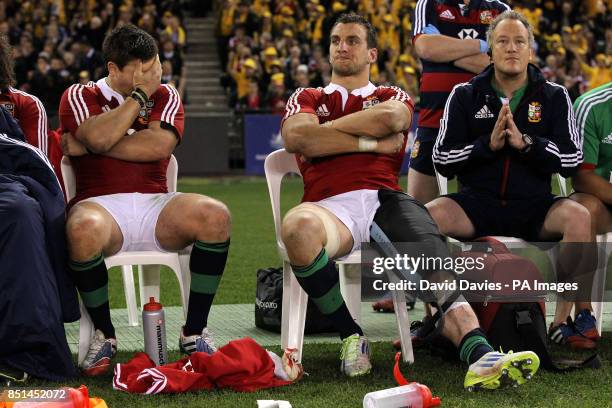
277	165
602	271
148	266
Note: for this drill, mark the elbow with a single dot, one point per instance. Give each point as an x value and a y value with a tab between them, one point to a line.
98	146
396	118
164	148
95	143
422	50
292	139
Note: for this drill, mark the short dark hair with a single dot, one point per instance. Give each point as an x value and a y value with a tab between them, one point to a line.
128	43
7	73
354	18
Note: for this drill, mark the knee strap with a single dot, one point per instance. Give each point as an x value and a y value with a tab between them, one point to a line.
331	230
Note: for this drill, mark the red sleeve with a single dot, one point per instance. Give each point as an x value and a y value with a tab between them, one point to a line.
394	93
303	100
78	103
168	109
32	118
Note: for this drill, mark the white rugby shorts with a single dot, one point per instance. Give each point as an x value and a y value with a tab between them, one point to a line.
356	210
136	214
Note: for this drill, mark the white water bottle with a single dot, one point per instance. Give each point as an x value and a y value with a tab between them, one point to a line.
413	395
154	329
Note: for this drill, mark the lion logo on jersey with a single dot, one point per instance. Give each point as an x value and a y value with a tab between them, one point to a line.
534	113
145	113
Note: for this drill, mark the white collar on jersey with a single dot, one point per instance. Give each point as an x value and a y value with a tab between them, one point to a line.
363	92
108	92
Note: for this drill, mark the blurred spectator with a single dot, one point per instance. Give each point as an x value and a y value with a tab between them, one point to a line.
170	55
597	74
175	30
48	82
84	77
243	73
90	59
277	94
252	100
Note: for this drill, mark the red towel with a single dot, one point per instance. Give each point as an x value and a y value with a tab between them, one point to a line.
241	365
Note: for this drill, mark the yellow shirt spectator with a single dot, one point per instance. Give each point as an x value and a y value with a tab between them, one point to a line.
598	75
226	22
243	76
533	16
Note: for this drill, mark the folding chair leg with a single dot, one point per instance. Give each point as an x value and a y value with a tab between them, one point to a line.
293	319
148	278
403	322
350	287
599	287
130	294
86	331
185	278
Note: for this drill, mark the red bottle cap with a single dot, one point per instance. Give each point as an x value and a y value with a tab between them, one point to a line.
152	305
426	397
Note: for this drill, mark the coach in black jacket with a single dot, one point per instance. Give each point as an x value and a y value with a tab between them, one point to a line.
503	134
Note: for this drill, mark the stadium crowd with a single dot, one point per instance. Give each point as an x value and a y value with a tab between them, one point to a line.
57	43
271	48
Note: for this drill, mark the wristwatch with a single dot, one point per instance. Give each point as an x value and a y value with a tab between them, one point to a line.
528	140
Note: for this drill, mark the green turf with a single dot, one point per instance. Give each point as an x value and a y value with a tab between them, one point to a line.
326	387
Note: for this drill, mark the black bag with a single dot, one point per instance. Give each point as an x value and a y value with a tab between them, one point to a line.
269	302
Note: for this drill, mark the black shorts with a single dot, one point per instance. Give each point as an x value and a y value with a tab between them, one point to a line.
514	218
422	149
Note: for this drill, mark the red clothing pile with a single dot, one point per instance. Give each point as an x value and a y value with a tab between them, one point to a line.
241	365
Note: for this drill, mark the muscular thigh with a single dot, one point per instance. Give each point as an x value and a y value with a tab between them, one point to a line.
174	229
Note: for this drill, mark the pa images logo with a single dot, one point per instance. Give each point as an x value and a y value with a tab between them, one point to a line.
534	113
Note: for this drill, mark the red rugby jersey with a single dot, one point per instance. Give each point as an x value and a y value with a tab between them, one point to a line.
29	113
98	175
332	175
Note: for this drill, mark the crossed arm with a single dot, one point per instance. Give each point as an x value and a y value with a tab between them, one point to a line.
465	54
384	122
106	134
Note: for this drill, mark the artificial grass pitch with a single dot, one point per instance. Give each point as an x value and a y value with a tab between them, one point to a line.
327	387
